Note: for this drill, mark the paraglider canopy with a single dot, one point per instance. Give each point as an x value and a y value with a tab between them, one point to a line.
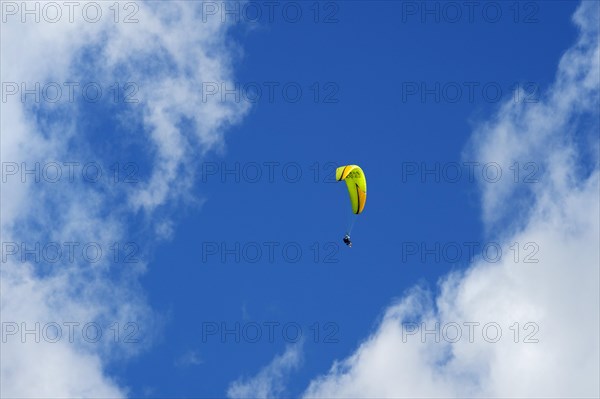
357	185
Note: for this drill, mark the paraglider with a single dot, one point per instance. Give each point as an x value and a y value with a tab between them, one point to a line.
357	189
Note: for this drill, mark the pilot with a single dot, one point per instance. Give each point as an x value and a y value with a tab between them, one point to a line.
347	240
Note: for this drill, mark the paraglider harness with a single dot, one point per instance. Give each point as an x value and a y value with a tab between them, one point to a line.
347	240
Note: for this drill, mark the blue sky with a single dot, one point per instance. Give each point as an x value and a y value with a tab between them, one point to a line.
368	66
368	54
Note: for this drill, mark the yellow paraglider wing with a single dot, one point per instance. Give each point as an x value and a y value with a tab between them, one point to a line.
357	185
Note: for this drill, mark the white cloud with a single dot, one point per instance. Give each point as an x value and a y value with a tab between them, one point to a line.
168	54
270	380
189	358
560	293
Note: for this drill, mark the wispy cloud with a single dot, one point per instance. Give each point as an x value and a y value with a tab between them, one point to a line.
270	381
189	358
557	355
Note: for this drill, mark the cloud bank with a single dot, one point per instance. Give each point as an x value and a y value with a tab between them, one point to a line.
167	54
